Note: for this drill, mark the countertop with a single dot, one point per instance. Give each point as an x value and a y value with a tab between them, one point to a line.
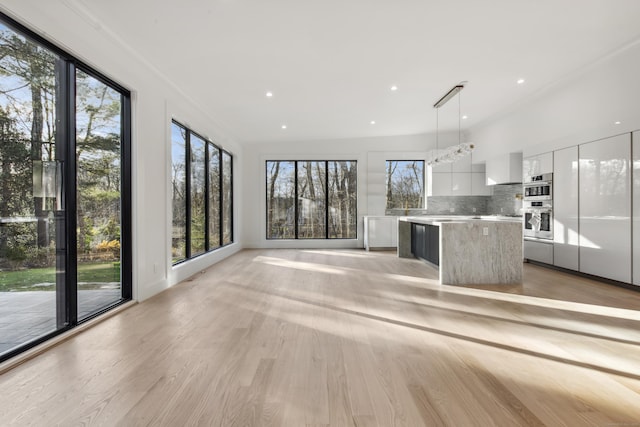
439	219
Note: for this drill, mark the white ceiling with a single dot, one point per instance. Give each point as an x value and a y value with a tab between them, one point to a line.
330	63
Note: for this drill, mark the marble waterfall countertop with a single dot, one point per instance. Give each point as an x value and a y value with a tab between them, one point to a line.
472	250
438	219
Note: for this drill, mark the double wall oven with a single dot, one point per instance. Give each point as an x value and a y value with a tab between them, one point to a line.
538	207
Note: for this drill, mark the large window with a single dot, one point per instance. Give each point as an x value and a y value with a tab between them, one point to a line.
215	214
197	193
311	199
202	189
179	192
227	200
405	184
65	228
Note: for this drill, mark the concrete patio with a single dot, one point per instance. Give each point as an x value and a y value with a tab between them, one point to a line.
25	316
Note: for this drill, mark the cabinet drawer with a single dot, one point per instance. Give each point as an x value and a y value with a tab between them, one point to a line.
538	251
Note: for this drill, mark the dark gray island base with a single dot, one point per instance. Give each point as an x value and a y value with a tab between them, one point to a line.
467	251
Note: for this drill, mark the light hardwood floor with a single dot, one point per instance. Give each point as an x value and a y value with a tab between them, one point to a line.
343	338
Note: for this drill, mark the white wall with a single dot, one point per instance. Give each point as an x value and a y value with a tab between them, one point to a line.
371	154
581	108
155	101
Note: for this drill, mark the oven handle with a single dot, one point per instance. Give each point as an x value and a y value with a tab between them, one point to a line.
542	210
537	183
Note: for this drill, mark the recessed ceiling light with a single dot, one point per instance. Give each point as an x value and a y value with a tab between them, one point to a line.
373	122
283	126
465	117
520	81
394	87
617	123
269	94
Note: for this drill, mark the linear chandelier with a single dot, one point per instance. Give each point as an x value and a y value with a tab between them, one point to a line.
455	152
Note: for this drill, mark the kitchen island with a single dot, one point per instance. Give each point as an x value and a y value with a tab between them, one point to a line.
467	250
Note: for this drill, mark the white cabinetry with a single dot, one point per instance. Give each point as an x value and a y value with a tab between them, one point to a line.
478	185
538	251
537	165
504	169
460	183
565	208
458	179
636	208
380	232
605	208
440	184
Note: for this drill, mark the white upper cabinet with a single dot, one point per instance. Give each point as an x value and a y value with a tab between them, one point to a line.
440	184
605	208
460	184
459	178
504	169
478	185
537	165
636	208
565	208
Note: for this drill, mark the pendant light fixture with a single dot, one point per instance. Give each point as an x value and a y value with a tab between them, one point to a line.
454	152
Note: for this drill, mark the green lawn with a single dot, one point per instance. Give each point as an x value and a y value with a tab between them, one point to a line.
39	279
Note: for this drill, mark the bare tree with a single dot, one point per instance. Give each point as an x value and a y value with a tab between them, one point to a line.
275	170
391	169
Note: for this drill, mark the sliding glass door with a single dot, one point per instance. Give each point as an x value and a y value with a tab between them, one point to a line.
31	204
64	191
98	193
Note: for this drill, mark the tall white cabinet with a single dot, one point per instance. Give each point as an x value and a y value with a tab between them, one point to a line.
565	208
605	208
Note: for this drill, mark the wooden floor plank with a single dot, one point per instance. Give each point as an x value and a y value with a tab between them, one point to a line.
344	338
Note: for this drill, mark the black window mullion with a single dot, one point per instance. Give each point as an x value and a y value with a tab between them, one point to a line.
231	237
71	199
187	171
326	199
220	199
66	249
207	245
126	247
295	200
266	200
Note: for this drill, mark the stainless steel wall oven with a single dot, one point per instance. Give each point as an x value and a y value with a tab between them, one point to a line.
538	220
539	187
538	207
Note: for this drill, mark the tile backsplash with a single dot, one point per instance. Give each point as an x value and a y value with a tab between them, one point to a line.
506	200
442	205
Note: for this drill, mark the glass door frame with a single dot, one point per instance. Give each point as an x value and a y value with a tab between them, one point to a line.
66	227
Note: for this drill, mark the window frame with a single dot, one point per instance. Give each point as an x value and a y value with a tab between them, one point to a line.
208	243
296	195
424	183
209	147
67	299
222	154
